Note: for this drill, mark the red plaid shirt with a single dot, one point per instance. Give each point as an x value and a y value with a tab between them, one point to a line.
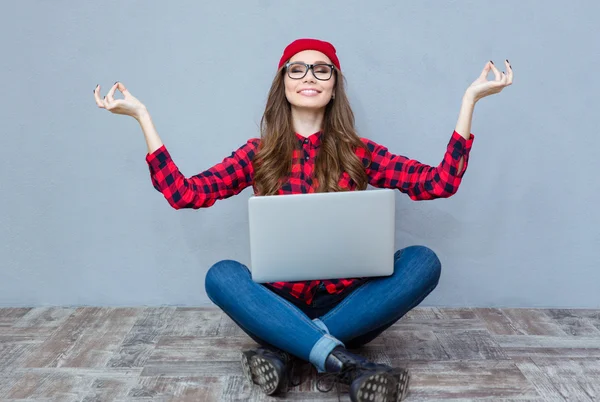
235	173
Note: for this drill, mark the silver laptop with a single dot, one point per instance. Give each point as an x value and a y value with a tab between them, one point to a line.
322	235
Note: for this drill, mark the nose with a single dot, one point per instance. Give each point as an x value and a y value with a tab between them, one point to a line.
309	77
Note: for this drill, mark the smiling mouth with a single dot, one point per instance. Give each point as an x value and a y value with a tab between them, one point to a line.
309	92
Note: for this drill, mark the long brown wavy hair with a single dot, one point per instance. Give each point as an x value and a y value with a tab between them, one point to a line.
273	160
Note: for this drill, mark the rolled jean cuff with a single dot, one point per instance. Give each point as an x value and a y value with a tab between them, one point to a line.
321	325
322	349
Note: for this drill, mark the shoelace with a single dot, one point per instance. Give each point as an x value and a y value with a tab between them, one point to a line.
336	377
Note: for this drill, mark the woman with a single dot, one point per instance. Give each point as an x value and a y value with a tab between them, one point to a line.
308	144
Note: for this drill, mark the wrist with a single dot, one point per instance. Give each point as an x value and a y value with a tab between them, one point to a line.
469	99
142	114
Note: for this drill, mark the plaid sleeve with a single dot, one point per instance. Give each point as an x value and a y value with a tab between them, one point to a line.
221	181
419	181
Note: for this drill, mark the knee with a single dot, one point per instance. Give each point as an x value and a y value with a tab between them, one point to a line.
220	273
425	261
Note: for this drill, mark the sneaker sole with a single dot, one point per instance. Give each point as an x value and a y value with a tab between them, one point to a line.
379	387
403	379
259	370
246	356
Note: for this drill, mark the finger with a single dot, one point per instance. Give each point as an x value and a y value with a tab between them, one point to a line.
497	74
486	70
111	93
505	74
97	96
121	87
509	71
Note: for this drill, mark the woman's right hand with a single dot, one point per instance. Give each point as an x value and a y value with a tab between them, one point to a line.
129	106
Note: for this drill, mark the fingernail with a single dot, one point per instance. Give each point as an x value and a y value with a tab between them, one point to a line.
491	62
116	82
507	61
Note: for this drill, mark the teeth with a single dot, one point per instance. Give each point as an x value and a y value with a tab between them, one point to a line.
308	91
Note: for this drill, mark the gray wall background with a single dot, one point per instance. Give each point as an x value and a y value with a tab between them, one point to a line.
81	224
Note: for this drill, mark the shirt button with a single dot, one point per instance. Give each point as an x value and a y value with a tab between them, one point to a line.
306	158
306	140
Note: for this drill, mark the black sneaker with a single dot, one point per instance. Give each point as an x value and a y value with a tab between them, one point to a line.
400	375
270	368
368	381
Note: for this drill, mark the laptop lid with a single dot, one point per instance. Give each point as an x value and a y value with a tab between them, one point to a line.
322	235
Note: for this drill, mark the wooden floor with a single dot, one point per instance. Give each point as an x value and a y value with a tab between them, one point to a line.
165	354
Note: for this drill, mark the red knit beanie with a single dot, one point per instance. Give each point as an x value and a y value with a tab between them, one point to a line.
310	44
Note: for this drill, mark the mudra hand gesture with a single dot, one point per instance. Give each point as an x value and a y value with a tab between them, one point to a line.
481	87
129	106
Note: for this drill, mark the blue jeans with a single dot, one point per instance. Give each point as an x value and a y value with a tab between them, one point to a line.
312	332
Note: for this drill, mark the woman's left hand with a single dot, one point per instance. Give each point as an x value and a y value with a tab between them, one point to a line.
481	87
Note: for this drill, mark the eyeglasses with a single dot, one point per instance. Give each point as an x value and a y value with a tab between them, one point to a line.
297	70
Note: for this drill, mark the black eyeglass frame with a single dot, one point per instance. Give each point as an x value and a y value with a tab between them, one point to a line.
309	67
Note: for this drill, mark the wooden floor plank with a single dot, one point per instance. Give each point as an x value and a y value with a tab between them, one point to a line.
435	313
186	387
470	345
548	387
442	324
469	380
194	321
36	325
413	345
236	388
533	322
8	315
140	342
14	354
524	346
496	322
44	317
70	384
574	323
189	348
103	389
572	377
88	338
56	385
191	368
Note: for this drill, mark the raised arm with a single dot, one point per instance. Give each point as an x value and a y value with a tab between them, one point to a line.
223	180
424	182
418	180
